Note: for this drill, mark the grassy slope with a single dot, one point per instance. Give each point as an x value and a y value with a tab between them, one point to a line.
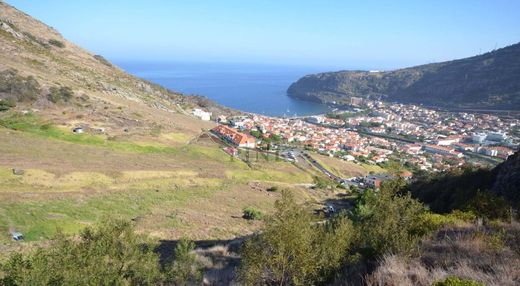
72	180
146	167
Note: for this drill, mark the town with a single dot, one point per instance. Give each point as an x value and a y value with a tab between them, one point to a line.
375	132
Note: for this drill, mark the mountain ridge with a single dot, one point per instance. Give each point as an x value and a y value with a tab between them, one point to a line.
489	80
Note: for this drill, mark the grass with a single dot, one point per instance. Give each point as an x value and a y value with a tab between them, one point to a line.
346	169
31	124
287	176
40	219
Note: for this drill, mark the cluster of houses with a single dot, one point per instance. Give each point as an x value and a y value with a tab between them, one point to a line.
442	137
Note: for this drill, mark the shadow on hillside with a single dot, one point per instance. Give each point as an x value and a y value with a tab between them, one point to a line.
218	258
341	202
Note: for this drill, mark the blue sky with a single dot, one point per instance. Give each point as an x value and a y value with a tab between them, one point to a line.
341	34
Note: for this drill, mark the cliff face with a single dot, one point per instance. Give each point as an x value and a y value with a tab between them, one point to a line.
491	80
507	183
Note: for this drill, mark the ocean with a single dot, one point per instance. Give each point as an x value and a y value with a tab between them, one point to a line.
260	89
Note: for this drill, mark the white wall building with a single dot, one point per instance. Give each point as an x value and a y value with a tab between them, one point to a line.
204	115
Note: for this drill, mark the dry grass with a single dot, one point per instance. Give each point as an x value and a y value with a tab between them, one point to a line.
345	169
485	255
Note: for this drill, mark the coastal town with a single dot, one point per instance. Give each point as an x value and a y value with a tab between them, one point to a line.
375	132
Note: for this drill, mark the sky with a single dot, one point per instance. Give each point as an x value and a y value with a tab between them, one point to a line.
343	34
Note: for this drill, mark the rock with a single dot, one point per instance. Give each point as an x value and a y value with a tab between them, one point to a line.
18	172
6	27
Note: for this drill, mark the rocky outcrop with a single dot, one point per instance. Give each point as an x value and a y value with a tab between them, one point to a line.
490	80
507	182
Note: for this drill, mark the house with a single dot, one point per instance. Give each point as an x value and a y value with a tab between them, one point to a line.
237	138
203	115
375	180
447	141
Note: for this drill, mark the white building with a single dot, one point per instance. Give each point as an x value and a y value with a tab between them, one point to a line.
315	119
204	115
478	137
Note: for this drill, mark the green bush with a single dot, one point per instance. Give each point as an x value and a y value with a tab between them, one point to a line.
185	270
6	104
22	88
60	94
485	204
390	224
56	43
451	190
456	281
251	213
110	254
429	222
322	183
294	250
272	189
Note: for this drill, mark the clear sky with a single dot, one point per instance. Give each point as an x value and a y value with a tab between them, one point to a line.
344	34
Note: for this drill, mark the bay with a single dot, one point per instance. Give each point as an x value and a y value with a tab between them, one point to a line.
253	88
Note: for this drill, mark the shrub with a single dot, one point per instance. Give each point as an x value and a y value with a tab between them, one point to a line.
56	43
22	88
272	189
109	254
251	213
455	281
391	224
451	190
102	60
485	204
429	222
185	270
6	104
293	250
60	94
322	183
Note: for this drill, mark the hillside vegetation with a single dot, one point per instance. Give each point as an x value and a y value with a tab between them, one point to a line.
488	81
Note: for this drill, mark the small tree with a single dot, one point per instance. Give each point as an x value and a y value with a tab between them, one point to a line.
185	269
389	222
293	249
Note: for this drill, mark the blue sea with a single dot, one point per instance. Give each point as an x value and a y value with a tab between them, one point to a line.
260	89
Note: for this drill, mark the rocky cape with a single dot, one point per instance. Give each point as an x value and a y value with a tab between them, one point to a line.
487	81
